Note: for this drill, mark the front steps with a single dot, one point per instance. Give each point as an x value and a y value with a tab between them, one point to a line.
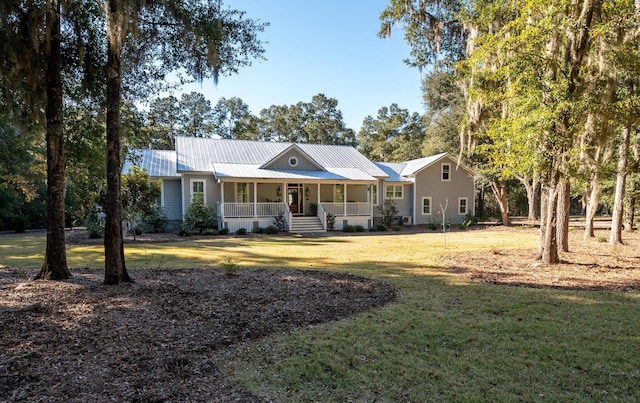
305	225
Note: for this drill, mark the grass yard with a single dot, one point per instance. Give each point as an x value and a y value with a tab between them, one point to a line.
446	338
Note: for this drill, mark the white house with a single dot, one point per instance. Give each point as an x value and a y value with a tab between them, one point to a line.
251	182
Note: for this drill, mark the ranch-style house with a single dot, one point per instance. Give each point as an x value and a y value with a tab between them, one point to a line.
251	182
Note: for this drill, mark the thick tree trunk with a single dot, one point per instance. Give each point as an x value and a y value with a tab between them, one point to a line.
500	192
621	176
115	269
55	260
592	205
564	205
550	245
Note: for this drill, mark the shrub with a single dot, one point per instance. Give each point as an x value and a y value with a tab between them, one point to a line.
241	231
380	227
359	228
331	222
229	266
200	217
349	228
258	230
388	211
185	229
210	231
396	228
468	221
95	228
280	222
223	231
155	221
271	229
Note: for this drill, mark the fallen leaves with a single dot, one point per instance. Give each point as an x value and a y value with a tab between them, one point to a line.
154	340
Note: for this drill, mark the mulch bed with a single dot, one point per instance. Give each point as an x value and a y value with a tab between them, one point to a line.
156	339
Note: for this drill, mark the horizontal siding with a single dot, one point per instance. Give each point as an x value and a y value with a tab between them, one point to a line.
172	199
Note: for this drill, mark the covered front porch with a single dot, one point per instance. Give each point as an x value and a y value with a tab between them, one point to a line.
256	204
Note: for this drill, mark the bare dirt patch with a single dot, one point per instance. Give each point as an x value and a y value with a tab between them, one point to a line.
589	265
155	340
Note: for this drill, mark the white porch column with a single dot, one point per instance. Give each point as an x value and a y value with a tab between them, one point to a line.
318	201
222	199
344	201
255	199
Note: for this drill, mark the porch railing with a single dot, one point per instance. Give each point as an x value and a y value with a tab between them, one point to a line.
322	215
352	209
252	209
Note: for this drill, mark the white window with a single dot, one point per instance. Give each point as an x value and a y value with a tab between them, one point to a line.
242	195
446	172
393	191
374	194
426	206
462	206
338	196
197	192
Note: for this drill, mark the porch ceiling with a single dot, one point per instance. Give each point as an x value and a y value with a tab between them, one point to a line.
254	171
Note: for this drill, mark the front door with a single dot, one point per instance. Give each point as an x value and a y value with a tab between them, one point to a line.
295	199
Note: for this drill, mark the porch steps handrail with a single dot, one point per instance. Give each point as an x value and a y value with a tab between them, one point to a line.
322	215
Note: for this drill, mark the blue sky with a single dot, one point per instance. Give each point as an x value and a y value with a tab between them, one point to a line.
323	46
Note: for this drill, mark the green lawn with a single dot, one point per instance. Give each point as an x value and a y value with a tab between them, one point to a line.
445	339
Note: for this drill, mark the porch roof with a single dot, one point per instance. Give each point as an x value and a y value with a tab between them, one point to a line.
255	172
157	163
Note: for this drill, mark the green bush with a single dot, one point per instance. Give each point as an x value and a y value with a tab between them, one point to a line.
223	231
271	229
359	228
241	231
155	221
200	217
380	227
348	228
185	229
280	222
388	211
258	230
210	231
468	221
95	227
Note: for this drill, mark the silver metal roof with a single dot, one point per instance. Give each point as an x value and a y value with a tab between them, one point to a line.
393	169
198	155
157	163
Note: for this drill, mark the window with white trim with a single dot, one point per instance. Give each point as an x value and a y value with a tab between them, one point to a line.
197	192
338	196
462	206
426	205
393	191
242	192
374	194
446	172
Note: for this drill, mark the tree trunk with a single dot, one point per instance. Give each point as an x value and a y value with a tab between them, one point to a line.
55	259
592	205
115	269
544	206
480	209
629	207
564	205
530	186
500	192
550	246
621	176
